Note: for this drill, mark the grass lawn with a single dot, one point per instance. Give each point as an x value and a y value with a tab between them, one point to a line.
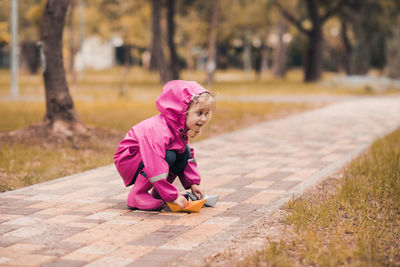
356	225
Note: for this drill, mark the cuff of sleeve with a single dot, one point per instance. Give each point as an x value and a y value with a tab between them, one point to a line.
171	197
167	191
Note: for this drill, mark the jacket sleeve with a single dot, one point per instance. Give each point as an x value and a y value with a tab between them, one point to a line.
156	169
190	174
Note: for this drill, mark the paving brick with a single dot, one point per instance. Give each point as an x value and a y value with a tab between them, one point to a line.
52	211
123	221
214	181
53	233
5	228
42	197
192	219
58	249
318	164
222	206
240	210
78	256
283	185
332	157
162	235
63	219
91	221
261	173
6	241
95	207
302	162
220	220
112	200
141	214
222	192
158	257
86	237
31	260
85	225
110	261
259	184
65	263
20	204
4	260
237	183
20	211
262	198
104	215
276	176
21	248
241	194
134	232
120	205
78	213
131	251
194	237
4	201
98	248
8	217
302	174
25	232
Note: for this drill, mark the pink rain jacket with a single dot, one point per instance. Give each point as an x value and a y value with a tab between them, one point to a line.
150	139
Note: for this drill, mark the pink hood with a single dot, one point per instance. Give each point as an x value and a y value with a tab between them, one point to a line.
174	102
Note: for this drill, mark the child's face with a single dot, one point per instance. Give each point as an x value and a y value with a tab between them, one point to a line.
198	115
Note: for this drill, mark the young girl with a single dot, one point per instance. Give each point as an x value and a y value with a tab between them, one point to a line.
157	150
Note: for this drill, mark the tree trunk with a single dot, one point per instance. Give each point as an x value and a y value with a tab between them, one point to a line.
314	55
314	52
361	57
247	53
72	48
393	54
171	44
31	56
189	59
212	44
346	56
125	70
264	58
157	46
59	103
279	68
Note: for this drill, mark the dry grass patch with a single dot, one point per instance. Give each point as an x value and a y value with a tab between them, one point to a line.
355	224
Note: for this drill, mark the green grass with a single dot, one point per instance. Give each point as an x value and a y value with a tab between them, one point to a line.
358	225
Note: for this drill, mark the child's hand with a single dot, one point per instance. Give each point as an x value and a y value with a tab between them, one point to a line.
197	191
181	201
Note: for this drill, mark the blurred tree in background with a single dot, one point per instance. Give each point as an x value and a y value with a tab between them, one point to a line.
392	13
311	22
351	36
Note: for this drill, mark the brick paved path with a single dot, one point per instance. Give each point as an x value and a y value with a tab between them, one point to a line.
82	219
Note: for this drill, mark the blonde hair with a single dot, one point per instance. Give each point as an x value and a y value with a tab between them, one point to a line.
202	97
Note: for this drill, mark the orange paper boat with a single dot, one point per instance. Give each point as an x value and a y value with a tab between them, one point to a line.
193	206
